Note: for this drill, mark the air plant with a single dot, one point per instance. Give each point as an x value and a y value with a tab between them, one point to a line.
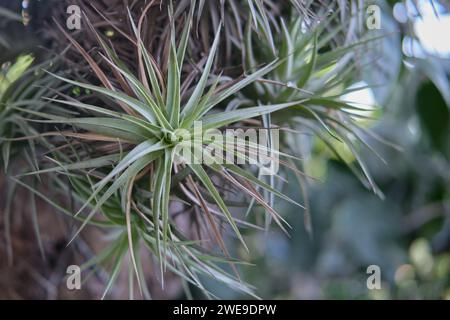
231	15
106	18
319	75
134	185
22	85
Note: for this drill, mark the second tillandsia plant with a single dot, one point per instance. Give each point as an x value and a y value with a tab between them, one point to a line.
318	73
22	86
136	155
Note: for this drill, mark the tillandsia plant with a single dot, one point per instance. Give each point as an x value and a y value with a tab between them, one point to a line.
22	85
318	72
10	74
106	17
144	146
156	125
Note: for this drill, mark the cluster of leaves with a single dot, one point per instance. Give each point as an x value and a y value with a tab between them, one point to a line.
319	69
22	86
116	144
143	140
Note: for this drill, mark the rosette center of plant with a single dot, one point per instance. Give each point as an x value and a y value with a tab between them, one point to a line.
172	137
